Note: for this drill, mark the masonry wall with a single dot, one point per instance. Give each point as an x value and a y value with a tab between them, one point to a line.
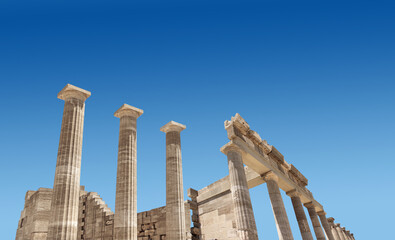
216	212
34	220
95	219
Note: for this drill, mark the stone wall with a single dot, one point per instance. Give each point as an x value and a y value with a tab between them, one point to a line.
34	220
95	219
216	213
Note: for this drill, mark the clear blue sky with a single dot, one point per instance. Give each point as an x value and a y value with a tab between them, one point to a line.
316	79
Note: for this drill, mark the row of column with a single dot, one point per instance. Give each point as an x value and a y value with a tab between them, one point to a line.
65	200
245	223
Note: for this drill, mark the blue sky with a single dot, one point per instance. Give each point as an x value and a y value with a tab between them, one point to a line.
316	79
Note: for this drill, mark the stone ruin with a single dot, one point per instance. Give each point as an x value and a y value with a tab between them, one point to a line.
220	211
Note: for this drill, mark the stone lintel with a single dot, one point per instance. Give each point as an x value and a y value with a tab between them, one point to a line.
172	126
71	91
127	110
293	193
298	174
270	175
321	213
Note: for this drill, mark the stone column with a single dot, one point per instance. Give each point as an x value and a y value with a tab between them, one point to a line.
245	221
66	188
280	215
333	228
300	215
344	233
348	234
340	232
175	209
315	221
325	225
125	216
352	236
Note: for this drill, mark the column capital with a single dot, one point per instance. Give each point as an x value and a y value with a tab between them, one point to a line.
321	213
309	205
337	224
269	176
344	228
71	91
230	146
293	193
172	126
127	110
330	219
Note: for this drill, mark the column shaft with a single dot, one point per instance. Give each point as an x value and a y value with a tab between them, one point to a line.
65	201
280	215
325	225
301	216
340	232
125	217
175	209
333	228
245	221
319	233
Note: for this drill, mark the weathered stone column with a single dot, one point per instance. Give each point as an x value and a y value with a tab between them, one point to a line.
175	209
245	221
280	215
300	215
66	188
348	234
344	233
125	217
333	228
340	232
352	236
325	225
315	221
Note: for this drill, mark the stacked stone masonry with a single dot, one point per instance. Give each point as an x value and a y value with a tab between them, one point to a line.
221	211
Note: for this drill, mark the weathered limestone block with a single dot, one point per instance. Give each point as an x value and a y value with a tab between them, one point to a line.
125	220
64	220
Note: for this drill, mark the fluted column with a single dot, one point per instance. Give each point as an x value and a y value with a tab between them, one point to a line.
300	215
348	234
175	209
66	188
280	215
339	231
319	233
333	228
344	233
125	217
245	221
325	225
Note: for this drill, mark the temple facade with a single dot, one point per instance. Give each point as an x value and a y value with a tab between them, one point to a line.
220	211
